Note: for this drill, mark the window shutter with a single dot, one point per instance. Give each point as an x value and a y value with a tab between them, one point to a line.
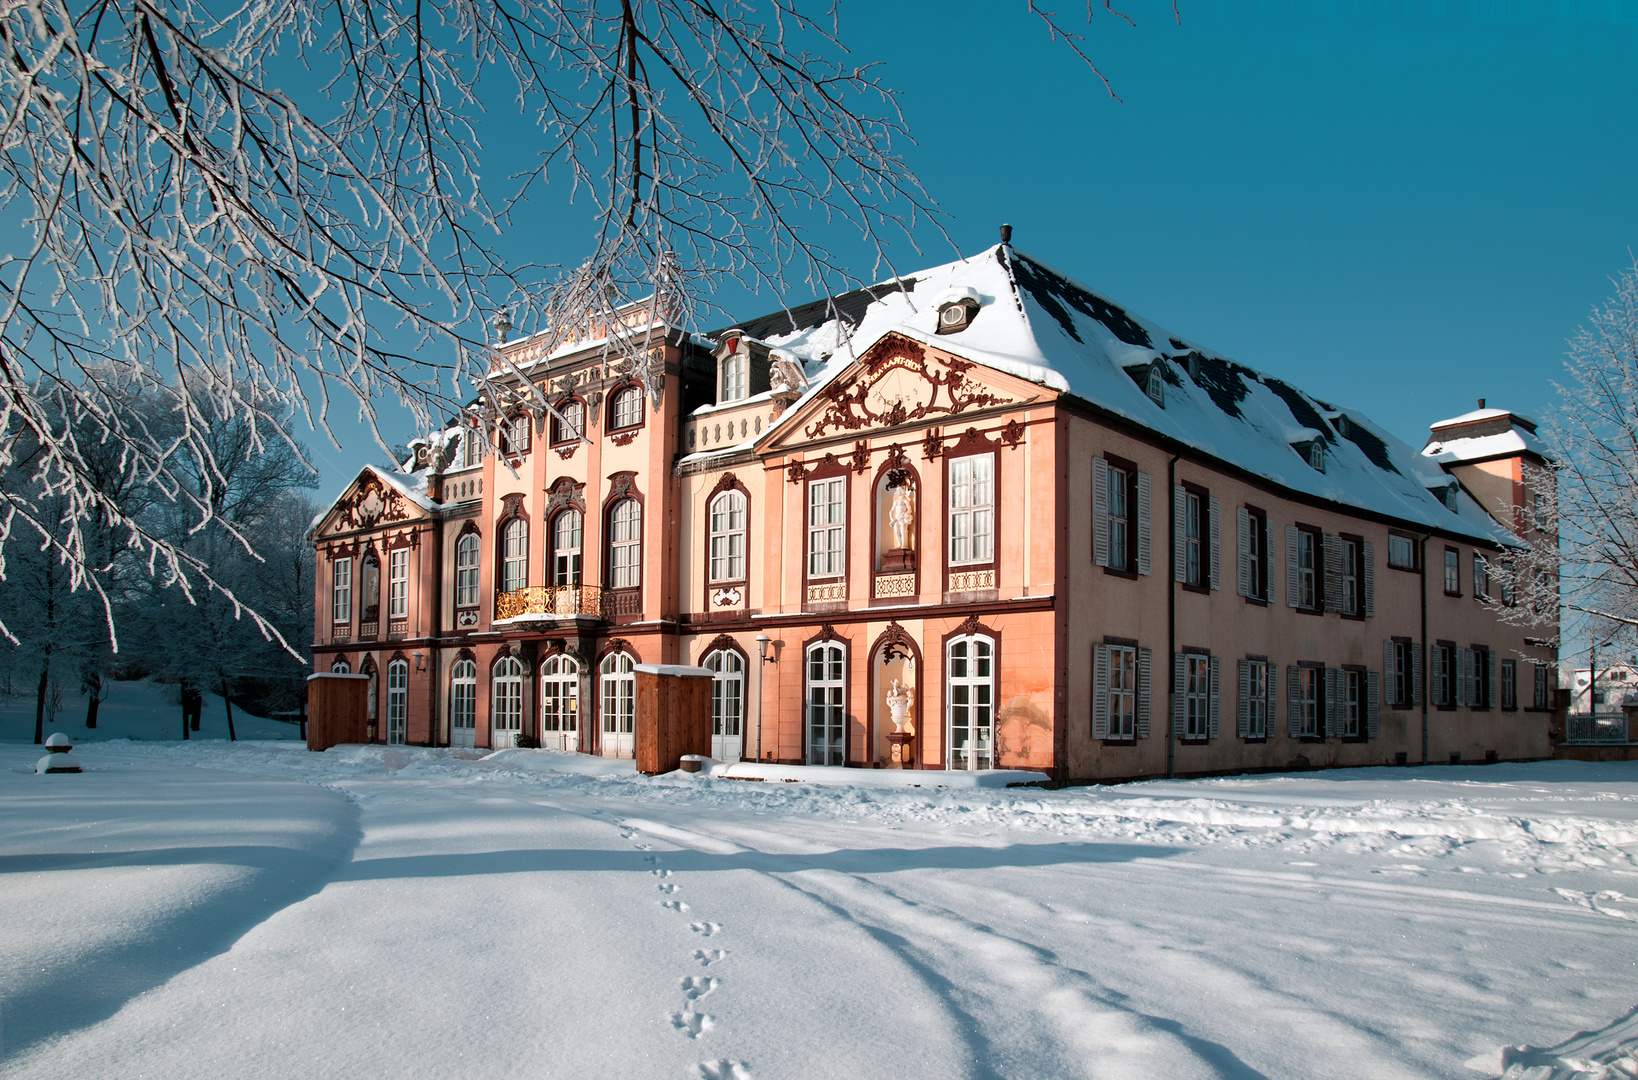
1213	709
1293	714
1464	676
1145	664
1290	566
1216	511
1387	666
1178	511
1333	726
1243	717
1492	669
1100	511
1370	580
1145	542
1268	556
1333	573
1100	691
1271	690
1416	673
1458	687
1373	704
1242	521
1179	692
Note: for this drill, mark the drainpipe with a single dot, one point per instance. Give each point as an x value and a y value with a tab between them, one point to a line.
1427	656
1171	614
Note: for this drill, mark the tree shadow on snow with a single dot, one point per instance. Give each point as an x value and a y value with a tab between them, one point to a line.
866	861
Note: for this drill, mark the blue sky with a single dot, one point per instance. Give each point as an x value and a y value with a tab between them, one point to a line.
1400	207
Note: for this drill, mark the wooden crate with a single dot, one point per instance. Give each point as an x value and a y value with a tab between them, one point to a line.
673	715
337	709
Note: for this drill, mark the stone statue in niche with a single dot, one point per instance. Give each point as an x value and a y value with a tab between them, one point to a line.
900	753
900	517
901	522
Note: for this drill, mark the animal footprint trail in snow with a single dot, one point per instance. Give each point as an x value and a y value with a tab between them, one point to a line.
705	929
707	957
695	987
722	1069
674	905
669	888
660	873
691	1023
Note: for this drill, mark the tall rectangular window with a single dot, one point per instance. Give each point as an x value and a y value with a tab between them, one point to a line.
1509	684
1351	695
728	537
1122	692
972	509
1193	513
1307	569
569	422
1257	699
398	584
827	527
1444	672
1350	577
1306	702
1197	703
466	570
471	451
1120	519
1257	555
1481	578
341	590
735	369
1540	696
1484	674
1453	572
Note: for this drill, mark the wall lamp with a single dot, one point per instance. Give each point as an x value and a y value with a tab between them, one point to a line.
762	643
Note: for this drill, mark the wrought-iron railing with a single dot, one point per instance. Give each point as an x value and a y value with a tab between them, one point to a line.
553	602
1606	728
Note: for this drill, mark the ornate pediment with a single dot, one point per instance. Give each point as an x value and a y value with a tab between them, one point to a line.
899	382
369	503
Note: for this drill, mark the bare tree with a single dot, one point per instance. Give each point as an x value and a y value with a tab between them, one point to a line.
244	210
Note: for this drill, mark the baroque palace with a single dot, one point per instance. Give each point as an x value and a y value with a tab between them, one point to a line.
982	501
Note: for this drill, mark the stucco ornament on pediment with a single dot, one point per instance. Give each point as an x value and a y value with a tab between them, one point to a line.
369	504
898	382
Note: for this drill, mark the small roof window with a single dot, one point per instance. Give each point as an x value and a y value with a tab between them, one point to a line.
956	306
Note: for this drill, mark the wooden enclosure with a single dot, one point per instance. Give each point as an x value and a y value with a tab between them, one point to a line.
337	709
673	715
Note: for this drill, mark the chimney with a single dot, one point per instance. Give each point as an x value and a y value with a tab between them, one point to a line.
1481	403
1006	234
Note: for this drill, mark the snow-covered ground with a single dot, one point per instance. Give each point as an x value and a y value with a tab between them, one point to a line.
255	910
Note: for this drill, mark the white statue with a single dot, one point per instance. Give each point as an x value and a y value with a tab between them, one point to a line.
898	707
786	374
901	515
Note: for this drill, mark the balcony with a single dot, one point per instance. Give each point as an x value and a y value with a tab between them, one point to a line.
554	602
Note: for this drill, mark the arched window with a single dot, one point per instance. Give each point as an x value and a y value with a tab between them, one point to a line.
826	706
471	447
627	409
567	531
560	703
571	424
397	702
625	544
514	555
970	670
506	703
735	369
463	702
466	570
340	667
619	679
727	703
370	609
728	537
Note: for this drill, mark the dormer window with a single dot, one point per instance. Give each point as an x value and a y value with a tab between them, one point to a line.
1312	451
736	369
956	309
1446	495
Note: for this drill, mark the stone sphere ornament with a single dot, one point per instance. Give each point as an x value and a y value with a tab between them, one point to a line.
57	758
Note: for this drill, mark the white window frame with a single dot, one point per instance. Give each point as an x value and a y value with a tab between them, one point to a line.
570	422
727	668
728	531
559	695
827	527
1404	544
617	684
1122	693
1196	696
969	674
397	702
568	538
341	590
825	702
341	667
736	369
972	509
516	434
1257	699
463	696
627	411
1481	578
1350	577
471	456
1351	700
1310	680
1541	692
1509	684
468	551
514	555
506	697
626	544
398	583
1453	572
1308	591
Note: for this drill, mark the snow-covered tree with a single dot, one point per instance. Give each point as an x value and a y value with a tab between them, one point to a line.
245	210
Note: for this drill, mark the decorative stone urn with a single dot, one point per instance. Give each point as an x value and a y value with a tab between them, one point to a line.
903	734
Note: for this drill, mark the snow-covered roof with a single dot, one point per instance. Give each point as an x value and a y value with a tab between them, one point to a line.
411	485
1484	447
1038	324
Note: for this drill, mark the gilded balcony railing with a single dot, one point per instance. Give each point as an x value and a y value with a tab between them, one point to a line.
553	602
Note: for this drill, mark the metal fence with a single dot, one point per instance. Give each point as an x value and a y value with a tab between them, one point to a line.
1600	729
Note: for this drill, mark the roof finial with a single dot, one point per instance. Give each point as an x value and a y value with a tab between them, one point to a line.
1481	403
503	325
1006	234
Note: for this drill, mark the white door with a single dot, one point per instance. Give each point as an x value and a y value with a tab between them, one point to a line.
619	705
727	704
463	703
972	697
827	718
506	704
397	702
560	704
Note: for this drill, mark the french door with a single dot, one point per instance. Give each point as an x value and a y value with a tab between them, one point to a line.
971	672
727	704
560	704
506	704
826	709
619	678
463	703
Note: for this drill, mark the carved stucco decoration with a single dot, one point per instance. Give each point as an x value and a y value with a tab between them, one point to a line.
565	493
655	377
622	484
896	643
898	384
372	503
